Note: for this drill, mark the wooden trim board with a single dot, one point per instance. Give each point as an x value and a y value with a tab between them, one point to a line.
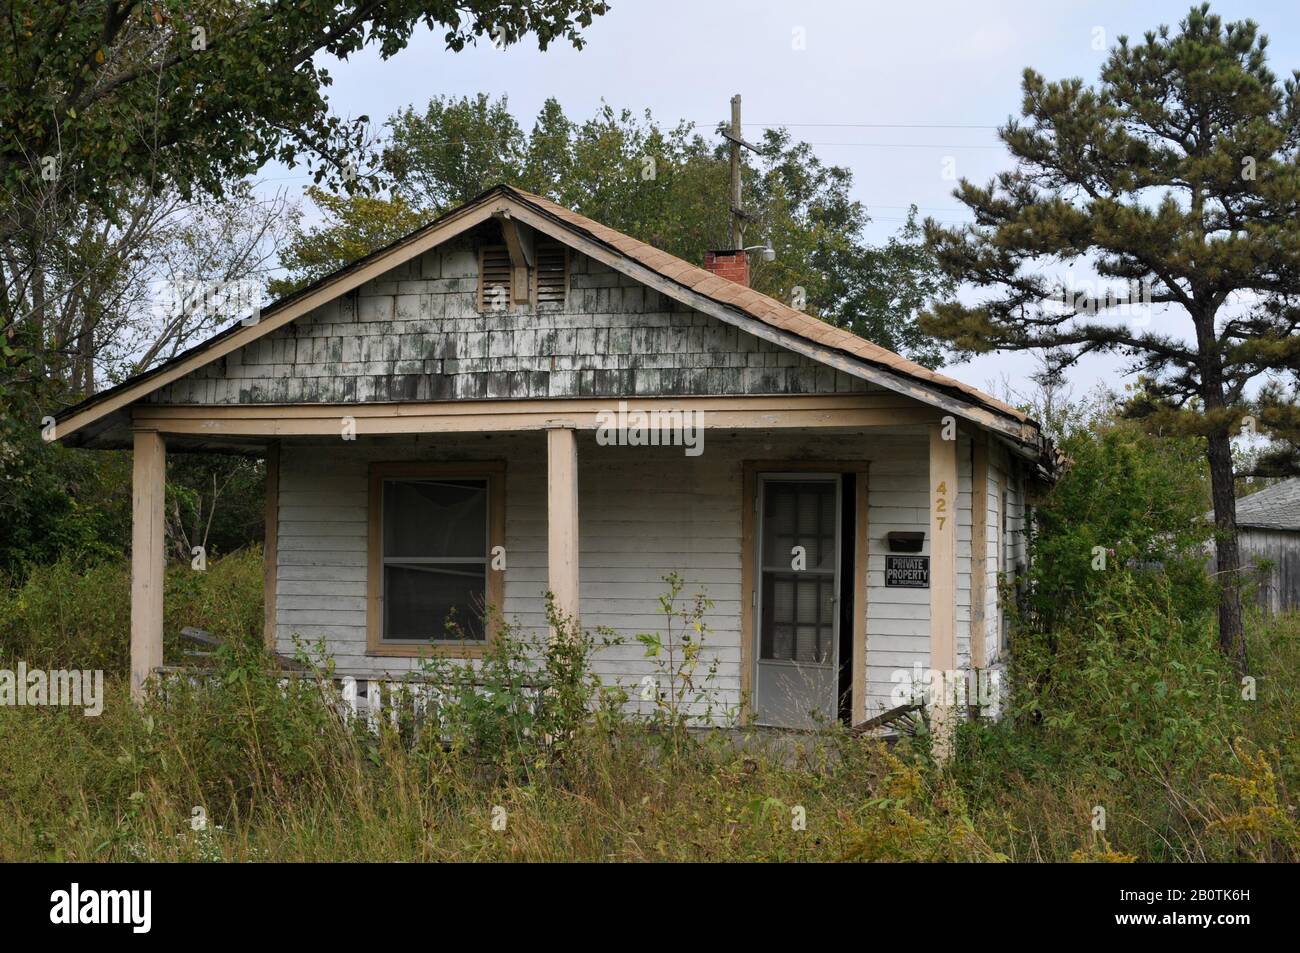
979	499
943	488
861	594
499	416
271	545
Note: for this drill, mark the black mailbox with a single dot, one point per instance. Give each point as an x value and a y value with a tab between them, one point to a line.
905	542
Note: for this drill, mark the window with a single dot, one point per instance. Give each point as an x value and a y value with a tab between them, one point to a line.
433	528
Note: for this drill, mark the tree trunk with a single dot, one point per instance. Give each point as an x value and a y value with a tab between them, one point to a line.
1232	637
87	349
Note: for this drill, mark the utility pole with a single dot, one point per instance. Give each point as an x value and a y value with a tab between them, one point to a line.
737	226
733	136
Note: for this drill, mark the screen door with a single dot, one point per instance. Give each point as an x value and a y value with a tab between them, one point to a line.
796	674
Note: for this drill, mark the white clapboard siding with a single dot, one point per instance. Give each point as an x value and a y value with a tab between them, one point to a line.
898	620
1008	551
992	609
643	513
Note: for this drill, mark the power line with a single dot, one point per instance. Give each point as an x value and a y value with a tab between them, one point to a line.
919	208
505	137
876	145
869	125
907	145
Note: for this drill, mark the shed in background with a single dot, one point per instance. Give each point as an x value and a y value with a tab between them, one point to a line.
1269	534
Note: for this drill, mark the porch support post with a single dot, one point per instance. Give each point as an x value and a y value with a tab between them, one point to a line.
562	517
943	582
979	543
149	475
271	545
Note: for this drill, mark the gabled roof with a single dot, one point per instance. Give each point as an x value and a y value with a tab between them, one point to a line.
736	304
767	309
1274	507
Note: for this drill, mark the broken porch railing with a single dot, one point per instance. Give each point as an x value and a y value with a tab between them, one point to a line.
412	695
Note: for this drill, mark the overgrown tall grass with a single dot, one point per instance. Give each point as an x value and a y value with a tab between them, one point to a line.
1139	718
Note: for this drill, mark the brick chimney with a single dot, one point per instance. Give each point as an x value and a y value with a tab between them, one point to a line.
732	265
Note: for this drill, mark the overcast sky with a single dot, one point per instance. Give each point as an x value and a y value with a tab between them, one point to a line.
888	89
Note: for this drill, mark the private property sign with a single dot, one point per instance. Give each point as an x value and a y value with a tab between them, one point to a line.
907	572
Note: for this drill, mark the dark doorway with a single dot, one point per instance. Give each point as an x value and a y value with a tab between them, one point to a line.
846	596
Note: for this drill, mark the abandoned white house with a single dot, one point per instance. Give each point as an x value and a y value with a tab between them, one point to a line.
441	425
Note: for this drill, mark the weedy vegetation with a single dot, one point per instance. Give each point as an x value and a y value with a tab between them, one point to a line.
1119	700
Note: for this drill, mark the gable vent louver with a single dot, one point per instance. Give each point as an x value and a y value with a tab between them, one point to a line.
494	278
552	280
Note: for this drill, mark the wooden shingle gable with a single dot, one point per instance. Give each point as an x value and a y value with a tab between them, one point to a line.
113	400
419	334
556	234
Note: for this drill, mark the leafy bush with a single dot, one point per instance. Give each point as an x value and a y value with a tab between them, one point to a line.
1127	516
57	503
684	687
1133	732
1118	740
524	702
60	504
1127	685
225	599
68	615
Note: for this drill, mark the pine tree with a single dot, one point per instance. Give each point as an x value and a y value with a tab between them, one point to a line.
1176	178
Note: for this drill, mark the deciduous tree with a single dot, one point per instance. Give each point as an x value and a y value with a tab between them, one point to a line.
667	185
103	100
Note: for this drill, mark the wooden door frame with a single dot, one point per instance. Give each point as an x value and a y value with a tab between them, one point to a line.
749	574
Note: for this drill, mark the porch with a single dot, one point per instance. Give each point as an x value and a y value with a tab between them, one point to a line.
599	525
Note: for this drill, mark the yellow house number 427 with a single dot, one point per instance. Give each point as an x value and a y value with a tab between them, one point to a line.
941	503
